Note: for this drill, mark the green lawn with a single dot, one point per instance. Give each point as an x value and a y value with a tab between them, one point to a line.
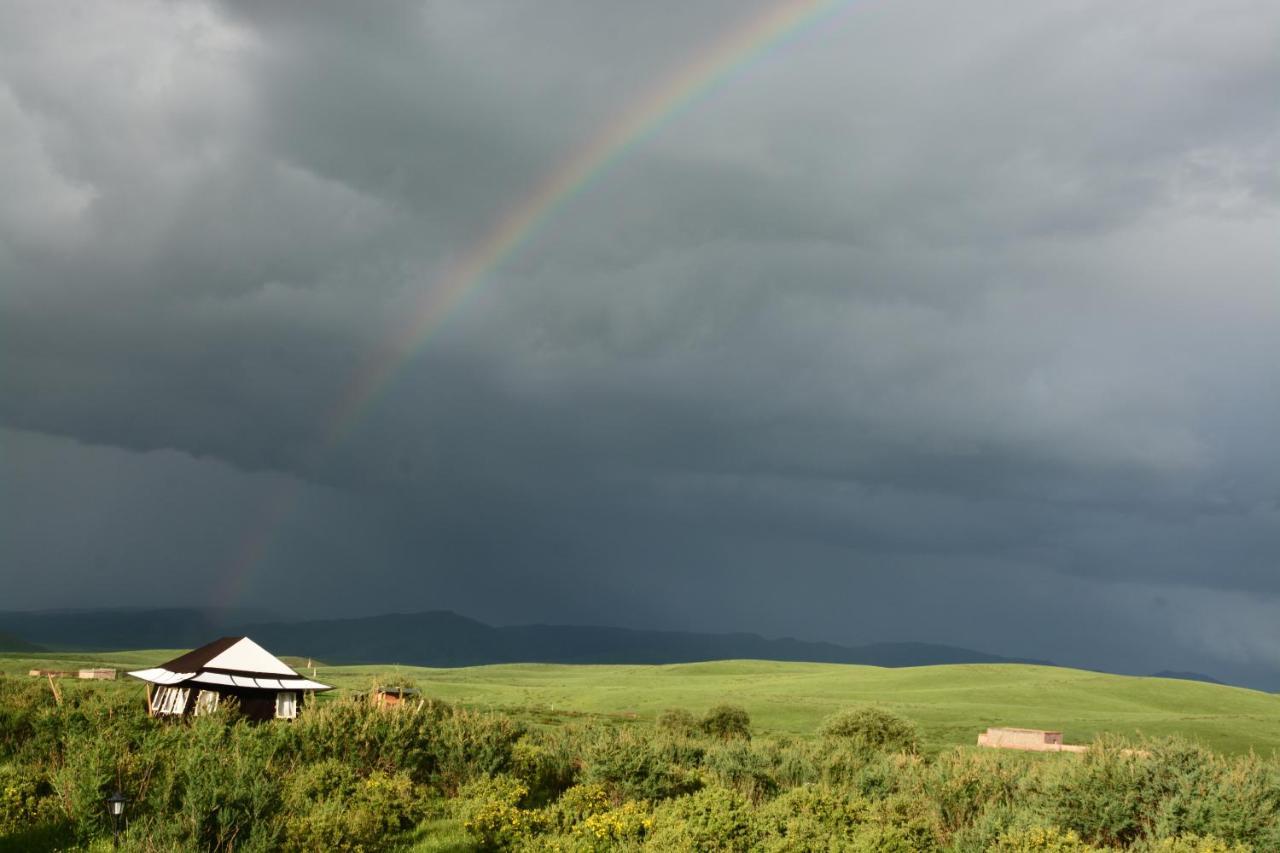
950	703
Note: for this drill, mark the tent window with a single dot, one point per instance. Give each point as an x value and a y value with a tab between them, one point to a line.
206	702
286	705
170	700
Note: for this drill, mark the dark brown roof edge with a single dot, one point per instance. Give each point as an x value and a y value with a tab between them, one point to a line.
196	658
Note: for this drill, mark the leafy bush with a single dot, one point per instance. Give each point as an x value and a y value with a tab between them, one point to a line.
631	766
873	729
465	745
579	803
491	813
1109	797
905	822
546	763
347	776
25	799
231	802
812	818
726	722
963	784
1041	840
677	721
629	823
749	772
872	774
1193	844
330	809
713	819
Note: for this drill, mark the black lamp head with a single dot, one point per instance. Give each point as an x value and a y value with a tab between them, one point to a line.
115	803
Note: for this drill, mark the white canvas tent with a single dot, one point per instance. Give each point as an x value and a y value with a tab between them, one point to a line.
264	685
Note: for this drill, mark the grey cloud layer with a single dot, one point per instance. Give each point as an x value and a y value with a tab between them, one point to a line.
926	311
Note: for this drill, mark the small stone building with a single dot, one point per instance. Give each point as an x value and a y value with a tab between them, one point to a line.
1035	740
195	683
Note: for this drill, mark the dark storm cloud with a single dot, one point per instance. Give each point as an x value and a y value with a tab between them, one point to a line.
936	322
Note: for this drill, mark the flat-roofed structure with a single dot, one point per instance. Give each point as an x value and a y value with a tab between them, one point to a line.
1033	740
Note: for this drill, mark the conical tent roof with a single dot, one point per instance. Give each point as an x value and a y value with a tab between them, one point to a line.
229	662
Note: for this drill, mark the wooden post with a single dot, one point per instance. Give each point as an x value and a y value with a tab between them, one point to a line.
57	694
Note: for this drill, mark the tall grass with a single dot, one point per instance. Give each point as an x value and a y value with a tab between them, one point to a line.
432	776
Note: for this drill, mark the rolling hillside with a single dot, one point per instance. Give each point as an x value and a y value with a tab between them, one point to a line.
950	703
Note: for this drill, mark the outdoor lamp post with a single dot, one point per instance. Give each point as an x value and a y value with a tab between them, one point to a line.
115	805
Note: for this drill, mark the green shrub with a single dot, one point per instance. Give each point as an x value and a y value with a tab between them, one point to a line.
577	804
491	813
347	776
1193	844
713	819
811	818
628	824
1117	795
686	752
793	762
231	801
1041	840
322	780
467	745
1194	793
25	800
26	710
962	784
874	729
880	838
989	825
726	722
545	762
331	809
677	721
355	732
1101	797
748	771
905	819
629	764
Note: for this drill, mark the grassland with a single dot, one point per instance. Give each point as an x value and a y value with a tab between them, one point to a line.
951	704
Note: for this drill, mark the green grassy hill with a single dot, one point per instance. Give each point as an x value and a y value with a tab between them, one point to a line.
950	703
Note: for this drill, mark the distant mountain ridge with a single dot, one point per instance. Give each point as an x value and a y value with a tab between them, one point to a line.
112	629
447	639
10	643
444	638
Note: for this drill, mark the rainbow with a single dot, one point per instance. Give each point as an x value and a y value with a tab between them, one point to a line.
751	39
748	41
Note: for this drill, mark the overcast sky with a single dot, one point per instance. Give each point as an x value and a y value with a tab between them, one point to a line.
944	322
